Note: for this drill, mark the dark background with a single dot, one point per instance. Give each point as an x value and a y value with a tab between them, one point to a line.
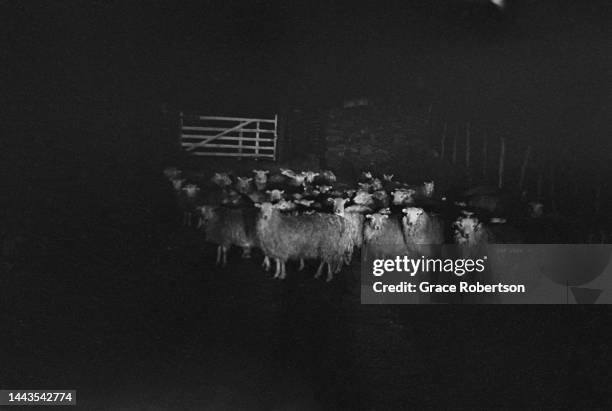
106	282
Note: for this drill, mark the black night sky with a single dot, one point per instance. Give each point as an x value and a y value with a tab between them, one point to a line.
535	70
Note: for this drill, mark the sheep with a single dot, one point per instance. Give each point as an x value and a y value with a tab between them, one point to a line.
354	219
363	198
221	180
243	185
328	176
403	196
275	195
310	176
188	199
261	179
315	236
383	235
381	199
423	231
226	227
172	173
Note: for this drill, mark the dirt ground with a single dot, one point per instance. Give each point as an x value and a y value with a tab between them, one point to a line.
128	309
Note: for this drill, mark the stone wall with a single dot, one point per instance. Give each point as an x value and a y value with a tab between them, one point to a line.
389	139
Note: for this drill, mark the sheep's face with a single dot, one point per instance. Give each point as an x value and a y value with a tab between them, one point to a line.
465	227
285	205
275	195
403	196
191	190
172	173
300	178
243	184
366	174
266	210
350	192
304	202
412	215
221	179
362	197
178	183
380	195
261	176
310	175
377	220
388	177
324	189
287	172
329	176
365	186
377	184
339	205
536	209
207	212
428	188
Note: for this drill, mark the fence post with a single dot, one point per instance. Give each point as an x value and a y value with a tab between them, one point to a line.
484	156
467	146
502	155
454	148
524	167
257	142
443	140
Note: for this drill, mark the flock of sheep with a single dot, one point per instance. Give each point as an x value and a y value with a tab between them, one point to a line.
309	215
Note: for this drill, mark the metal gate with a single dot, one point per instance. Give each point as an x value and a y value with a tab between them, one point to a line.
229	136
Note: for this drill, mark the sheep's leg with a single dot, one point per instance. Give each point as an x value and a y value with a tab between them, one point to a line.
330	273
278	268
283	274
218	261
319	270
246	252
301	264
338	267
266	263
224	253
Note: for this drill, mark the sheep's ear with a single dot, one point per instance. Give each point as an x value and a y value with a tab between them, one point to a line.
268	191
369	216
258	205
385	216
282	191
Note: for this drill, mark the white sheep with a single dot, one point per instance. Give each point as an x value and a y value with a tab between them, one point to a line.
226	227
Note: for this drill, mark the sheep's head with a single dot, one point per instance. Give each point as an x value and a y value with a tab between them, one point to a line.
536	209
275	195
366	174
266	210
466	227
178	183
388	177
207	212
287	172
329	176
377	220
403	196
243	184
377	184
191	190
362	197
365	186
172	173
324	189
428	188
310	175
412	215
221	179
261	175
339	203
